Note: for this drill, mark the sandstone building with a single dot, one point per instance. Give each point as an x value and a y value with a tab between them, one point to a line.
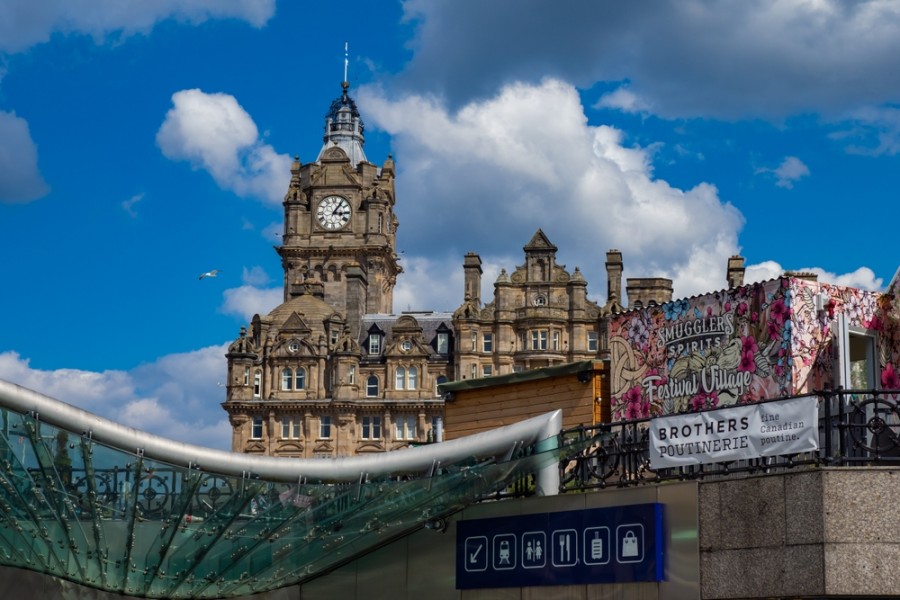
332	371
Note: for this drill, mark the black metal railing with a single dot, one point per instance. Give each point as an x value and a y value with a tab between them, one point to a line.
856	428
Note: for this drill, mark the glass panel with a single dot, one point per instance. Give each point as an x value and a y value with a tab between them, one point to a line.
115	520
300	379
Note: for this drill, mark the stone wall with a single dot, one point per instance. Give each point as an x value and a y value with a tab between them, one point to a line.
811	533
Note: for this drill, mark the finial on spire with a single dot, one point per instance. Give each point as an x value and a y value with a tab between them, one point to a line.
346	61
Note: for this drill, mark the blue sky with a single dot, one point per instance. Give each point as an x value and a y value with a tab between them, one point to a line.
143	144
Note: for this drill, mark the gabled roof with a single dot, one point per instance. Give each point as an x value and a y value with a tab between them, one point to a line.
539	241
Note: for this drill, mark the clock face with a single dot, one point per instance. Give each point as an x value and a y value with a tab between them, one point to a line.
333	212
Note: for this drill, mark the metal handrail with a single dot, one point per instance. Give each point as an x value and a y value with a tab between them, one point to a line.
856	427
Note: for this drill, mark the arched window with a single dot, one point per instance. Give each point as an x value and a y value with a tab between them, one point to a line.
287	379
300	379
401	378
372	386
412	378
441	379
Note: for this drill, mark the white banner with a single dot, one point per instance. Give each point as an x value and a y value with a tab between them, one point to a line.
740	432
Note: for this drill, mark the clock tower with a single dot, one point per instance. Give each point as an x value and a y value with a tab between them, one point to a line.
331	371
339	223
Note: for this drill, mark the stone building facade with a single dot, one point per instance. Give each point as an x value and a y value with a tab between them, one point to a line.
332	371
540	316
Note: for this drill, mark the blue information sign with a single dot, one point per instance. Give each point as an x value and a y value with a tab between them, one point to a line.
620	544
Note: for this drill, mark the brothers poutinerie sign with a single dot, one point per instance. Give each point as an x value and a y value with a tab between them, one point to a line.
622	544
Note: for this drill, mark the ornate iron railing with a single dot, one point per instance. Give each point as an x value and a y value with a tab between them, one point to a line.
856	427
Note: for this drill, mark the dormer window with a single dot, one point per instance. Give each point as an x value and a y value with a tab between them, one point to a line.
374	344
443	343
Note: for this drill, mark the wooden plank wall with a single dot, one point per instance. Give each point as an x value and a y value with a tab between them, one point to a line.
483	409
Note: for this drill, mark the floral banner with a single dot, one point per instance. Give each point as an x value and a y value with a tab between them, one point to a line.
743	345
702	352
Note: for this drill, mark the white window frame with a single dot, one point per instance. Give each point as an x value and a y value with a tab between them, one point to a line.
257	384
405	427
287	379
487	370
256	428
592	339
443	343
412	378
290	427
375	344
400	378
325	427
300	379
539	339
487	342
246	375
372	387
371	427
556	341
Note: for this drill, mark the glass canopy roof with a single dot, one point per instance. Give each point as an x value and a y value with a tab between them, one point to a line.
116	519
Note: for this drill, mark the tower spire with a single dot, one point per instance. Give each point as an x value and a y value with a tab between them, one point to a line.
343	125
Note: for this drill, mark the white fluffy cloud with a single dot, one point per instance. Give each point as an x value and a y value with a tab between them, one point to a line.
24	23
20	179
863	277
214	133
175	397
248	300
625	100
791	170
527	159
874	131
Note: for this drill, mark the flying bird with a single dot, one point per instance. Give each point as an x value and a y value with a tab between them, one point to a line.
212	273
